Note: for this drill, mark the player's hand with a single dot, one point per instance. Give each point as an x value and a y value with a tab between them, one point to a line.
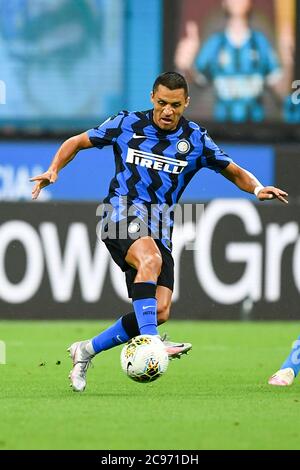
42	181
187	47
270	192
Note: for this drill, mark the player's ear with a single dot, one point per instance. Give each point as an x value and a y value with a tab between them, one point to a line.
152	97
187	102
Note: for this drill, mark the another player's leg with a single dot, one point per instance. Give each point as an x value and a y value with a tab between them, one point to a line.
290	368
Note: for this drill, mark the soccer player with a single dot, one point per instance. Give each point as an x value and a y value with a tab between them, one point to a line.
157	152
290	368
239	61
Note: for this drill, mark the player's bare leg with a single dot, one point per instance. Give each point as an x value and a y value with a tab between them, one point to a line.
145	257
164	300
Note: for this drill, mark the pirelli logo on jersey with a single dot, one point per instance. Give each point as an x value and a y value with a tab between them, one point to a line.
155	162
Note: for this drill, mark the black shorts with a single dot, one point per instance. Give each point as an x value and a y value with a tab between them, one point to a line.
118	248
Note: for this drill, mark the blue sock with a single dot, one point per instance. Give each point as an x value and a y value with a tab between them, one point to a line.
145	307
112	336
293	360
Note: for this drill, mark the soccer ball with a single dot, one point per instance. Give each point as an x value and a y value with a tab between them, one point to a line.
144	358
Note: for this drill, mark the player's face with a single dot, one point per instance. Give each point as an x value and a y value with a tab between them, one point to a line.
238	8
169	106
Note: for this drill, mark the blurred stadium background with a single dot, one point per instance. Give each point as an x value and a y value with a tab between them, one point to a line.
63	73
66	65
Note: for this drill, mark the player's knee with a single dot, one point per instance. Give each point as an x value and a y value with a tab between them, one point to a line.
152	263
163	312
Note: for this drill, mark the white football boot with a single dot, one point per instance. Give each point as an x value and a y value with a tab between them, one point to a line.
175	350
282	378
81	361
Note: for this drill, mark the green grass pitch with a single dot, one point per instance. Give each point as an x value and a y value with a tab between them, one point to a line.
217	397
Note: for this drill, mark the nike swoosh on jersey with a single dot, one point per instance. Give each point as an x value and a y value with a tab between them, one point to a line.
136	136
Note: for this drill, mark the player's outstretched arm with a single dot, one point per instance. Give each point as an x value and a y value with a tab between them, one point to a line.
63	156
244	180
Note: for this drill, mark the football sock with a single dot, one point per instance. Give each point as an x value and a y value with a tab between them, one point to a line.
293	360
145	307
112	336
130	325
142	321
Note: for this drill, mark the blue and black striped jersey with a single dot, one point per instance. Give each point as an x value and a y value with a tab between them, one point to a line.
239	74
153	166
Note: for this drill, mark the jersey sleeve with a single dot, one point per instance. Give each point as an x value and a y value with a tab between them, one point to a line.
212	156
207	55
108	132
269	60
